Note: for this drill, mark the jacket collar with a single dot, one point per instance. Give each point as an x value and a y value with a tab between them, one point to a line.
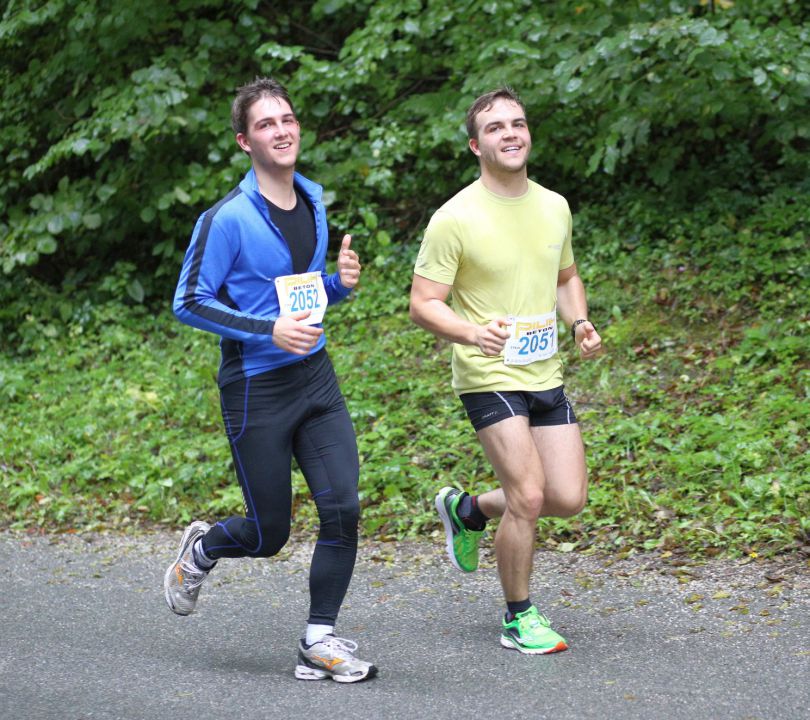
250	186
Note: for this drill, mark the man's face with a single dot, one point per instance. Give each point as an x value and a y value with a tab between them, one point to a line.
273	135
503	141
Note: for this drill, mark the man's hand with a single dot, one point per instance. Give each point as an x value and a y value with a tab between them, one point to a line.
587	340
492	337
293	336
348	264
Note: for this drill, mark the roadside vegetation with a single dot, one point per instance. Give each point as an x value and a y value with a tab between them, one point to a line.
680	136
695	419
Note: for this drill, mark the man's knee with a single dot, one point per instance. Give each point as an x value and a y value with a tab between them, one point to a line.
339	519
574	508
568	504
272	540
526	504
349	512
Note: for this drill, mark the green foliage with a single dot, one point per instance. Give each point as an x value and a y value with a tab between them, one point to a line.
678	130
665	95
695	421
114	127
114	117
92	431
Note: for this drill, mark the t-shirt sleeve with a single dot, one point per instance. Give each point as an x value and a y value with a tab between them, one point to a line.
440	253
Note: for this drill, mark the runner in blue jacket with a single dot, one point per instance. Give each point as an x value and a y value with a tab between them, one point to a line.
255	274
227	281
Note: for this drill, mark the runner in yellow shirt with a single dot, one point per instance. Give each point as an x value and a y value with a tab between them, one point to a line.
502	247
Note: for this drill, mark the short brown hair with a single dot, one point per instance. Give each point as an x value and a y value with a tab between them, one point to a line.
249	94
485	102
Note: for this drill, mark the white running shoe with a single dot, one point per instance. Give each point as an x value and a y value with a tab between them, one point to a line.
182	581
332	657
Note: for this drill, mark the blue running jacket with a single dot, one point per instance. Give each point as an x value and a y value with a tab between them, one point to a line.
227	283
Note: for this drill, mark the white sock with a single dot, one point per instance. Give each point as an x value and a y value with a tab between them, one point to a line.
201	560
316	633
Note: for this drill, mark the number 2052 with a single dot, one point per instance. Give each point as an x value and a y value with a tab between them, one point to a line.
304	300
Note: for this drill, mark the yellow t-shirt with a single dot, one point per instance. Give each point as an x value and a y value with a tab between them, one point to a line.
502	257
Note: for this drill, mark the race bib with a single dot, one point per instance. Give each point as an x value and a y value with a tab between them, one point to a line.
302	292
534	338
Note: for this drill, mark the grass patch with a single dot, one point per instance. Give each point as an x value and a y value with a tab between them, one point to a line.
695	421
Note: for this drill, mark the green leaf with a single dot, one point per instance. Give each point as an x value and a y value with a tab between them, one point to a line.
182	195
92	221
46	245
135	291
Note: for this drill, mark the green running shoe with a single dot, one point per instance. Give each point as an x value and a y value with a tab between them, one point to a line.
530	633
462	544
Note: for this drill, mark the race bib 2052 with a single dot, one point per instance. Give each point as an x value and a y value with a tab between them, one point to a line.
302	292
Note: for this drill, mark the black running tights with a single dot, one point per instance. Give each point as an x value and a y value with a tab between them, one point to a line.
296	410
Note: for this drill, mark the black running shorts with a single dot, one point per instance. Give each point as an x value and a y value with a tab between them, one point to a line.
546	407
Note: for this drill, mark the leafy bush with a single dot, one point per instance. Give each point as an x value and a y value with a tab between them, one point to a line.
695	421
114	116
679	132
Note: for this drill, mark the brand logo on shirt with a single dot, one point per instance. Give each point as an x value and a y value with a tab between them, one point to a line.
555	247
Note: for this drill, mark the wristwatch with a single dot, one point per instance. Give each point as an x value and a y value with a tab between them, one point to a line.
574	328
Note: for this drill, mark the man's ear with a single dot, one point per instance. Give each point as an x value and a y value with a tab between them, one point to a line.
474	146
242	141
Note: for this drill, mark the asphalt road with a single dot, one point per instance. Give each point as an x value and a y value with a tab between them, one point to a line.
86	634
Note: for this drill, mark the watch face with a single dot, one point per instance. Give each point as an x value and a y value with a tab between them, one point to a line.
574	328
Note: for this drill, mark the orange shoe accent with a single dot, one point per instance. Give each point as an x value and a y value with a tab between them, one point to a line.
330	664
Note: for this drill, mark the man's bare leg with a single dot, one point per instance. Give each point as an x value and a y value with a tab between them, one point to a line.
563	459
511	449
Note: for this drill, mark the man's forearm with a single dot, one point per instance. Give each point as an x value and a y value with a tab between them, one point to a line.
439	319
571	301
